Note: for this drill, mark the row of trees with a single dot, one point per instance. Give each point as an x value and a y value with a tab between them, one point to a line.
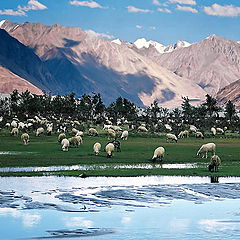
91	107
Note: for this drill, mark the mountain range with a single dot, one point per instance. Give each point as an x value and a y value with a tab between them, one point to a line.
60	60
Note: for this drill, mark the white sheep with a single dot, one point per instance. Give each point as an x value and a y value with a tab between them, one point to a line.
93	132
158	153
25	138
183	134
74	131
142	129
220	131
14	132
205	148
79	133
168	127
65	145
7	125
21	125
96	148
199	135
109	149
172	137
61	136
213	131
14	124
49	129
116	128
215	162
192	128
124	135
111	134
105	126
75	141
39	131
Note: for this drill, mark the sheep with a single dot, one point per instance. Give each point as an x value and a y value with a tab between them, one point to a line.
14	124
170	136
109	149
14	132
65	145
111	133
158	153
183	134
39	131
192	128
21	125
74	131
93	132
124	135
220	131
25	138
49	129
214	131
79	133
96	148
76	123
205	148
105	126
168	127
61	136
75	141
142	129
7	125
215	162
199	135
116	128
108	122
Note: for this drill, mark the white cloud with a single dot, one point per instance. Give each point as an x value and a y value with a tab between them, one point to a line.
153	28
222	11
139	26
21	11
164	10
133	9
187	9
156	2
188	2
29	220
78	222
90	4
101	35
11	12
33	5
179	225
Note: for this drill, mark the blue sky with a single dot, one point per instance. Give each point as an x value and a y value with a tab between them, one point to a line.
165	21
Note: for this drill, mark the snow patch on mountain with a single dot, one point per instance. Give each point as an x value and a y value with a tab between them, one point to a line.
2	22
117	41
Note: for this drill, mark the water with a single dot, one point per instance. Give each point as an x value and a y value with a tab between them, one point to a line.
155	207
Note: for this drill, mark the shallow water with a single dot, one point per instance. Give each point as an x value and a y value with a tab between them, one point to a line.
96	167
154	207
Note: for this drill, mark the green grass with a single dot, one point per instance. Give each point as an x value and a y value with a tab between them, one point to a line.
138	149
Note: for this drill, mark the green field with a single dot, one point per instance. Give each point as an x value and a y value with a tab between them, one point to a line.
138	149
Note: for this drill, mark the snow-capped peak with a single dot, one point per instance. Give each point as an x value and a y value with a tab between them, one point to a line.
182	44
2	22
117	41
141	42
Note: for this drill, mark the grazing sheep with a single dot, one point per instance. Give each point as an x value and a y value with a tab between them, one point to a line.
61	136
109	149
183	134
158	153
108	122
214	131
215	162
65	145
14	132
39	131
75	141
21	126
168	127
142	129
116	128
25	138
96	148
14	124
124	135
93	132
220	131
192	128
199	135
49	130
7	125
74	131
111	133
105	126
79	133
172	137
205	148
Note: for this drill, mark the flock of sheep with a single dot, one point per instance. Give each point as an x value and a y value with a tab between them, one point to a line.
111	132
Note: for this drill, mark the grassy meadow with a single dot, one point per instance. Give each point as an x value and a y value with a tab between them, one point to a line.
44	151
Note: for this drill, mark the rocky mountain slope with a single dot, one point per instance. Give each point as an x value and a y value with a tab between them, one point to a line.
212	63
23	62
230	92
83	63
